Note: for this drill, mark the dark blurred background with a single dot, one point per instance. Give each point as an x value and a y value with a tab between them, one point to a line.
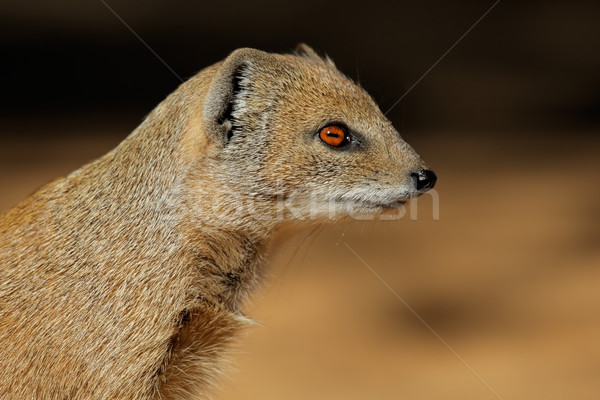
508	276
527	64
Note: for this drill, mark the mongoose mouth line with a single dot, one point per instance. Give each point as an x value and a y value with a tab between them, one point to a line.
371	206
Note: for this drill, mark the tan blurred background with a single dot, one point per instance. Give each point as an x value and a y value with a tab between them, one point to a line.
504	286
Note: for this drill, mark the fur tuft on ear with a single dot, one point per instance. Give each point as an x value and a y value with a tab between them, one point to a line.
304	50
219	102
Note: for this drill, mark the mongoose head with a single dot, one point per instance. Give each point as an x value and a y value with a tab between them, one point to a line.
295	138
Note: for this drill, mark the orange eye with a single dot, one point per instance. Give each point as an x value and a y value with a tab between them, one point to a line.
334	135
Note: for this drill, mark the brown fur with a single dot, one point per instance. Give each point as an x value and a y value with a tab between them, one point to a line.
125	279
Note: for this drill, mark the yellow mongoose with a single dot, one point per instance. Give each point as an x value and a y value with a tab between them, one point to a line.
124	280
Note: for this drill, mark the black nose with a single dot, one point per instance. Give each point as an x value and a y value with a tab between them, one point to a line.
425	179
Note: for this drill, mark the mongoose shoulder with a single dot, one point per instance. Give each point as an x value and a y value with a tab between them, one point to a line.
125	278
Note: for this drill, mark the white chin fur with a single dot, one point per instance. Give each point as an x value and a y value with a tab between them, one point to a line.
354	203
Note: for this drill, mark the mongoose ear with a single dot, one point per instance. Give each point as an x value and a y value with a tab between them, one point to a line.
304	50
226	85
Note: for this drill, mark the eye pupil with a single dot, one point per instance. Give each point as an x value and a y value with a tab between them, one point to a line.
334	135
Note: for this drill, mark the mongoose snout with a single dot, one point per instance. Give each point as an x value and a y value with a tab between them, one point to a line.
424	180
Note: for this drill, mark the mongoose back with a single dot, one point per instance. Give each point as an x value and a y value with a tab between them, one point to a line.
125	279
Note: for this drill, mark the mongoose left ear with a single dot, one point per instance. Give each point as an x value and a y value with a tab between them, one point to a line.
226	85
